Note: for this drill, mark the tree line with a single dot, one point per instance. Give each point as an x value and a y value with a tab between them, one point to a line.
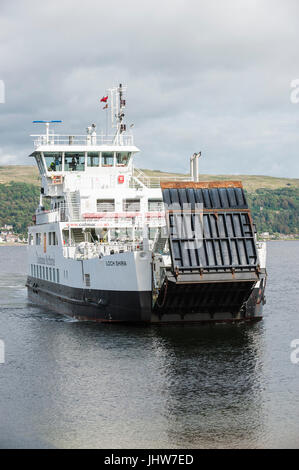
273	210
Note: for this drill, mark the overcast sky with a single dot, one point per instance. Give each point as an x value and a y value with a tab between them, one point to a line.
201	75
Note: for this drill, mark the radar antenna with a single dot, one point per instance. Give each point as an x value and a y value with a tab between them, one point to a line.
47	126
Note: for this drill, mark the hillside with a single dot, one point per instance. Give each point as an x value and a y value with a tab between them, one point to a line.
250	182
274	201
19	174
29	174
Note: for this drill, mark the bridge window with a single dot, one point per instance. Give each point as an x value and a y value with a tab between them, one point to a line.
122	158
105	205
53	161
40	163
74	161
92	159
131	205
107	158
38	238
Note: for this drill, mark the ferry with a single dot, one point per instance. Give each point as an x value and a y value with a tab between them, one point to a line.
109	243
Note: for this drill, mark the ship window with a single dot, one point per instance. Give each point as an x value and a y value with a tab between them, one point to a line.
107	158
87	280
40	272
92	159
50	274
37	238
52	238
31	267
74	161
65	236
53	161
57	275
43	272
105	205
122	158
30	239
131	205
54	275
47	273
155	205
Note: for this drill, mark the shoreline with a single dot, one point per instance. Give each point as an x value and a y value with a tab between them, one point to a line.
12	244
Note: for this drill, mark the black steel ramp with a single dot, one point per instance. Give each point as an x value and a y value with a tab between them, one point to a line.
212	246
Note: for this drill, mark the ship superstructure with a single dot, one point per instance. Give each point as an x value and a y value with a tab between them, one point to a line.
110	243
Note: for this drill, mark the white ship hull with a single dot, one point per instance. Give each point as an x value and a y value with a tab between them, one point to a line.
119	285
120	289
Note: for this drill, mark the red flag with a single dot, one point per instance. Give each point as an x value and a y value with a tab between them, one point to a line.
104	99
106	106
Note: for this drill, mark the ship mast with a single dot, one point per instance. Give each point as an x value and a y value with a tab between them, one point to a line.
118	104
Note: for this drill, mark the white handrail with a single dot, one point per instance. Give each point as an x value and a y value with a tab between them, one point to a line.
71	139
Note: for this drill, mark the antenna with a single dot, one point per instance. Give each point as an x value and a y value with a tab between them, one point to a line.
47	126
121	114
118	104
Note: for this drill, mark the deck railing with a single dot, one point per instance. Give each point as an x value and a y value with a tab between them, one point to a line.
101	139
139	179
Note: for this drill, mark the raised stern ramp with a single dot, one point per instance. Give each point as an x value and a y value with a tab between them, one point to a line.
214	261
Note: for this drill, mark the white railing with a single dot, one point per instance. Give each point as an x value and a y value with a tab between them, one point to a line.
59	139
88	250
140	179
45	217
69	213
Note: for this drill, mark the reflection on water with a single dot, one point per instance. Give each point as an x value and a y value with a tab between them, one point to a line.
212	385
73	384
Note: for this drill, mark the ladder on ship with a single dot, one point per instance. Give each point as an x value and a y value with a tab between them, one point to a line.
73	204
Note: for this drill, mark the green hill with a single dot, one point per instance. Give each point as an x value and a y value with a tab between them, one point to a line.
274	201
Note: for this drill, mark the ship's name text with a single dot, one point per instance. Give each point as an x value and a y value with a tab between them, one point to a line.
116	263
46	260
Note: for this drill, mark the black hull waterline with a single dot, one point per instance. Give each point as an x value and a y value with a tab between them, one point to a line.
198	303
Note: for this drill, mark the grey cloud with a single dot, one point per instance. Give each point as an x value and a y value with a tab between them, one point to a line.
207	75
